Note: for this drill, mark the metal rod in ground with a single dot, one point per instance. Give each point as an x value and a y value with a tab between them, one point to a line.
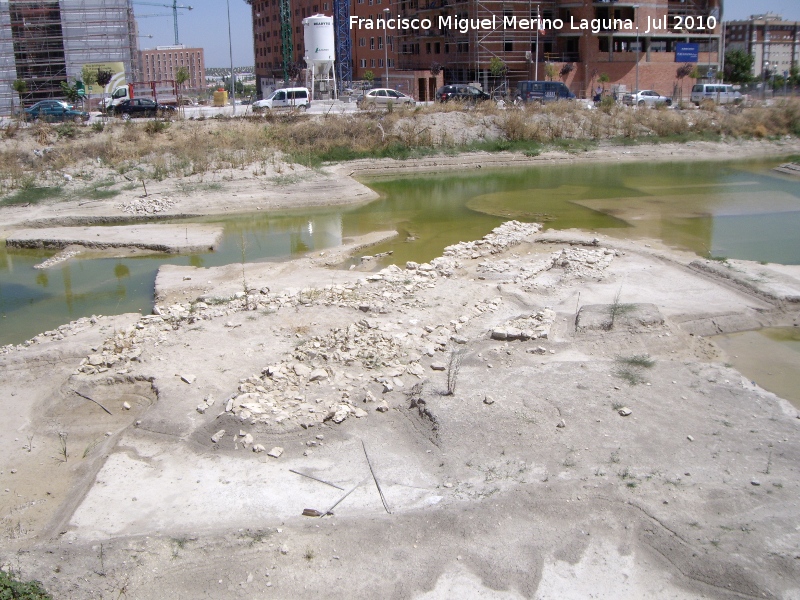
316	479
375	479
93	400
327	512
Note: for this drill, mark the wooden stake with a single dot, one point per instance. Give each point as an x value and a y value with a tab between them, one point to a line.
375	479
93	400
316	479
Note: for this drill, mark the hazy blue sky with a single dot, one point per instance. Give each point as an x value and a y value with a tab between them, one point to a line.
206	26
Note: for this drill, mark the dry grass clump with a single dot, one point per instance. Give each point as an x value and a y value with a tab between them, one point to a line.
35	155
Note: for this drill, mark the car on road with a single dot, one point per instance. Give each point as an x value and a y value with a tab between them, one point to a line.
141	107
285	98
646	98
543	91
383	97
464	93
55	110
719	93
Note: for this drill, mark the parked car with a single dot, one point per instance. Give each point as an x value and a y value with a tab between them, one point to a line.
543	91
284	98
646	98
141	107
382	97
464	93
719	93
55	110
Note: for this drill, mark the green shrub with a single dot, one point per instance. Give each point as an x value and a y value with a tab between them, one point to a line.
11	589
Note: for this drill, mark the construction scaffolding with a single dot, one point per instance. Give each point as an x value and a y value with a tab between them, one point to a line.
47	42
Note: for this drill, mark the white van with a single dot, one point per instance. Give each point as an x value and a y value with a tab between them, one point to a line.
719	93
284	98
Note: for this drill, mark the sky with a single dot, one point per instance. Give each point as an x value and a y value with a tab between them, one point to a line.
206	25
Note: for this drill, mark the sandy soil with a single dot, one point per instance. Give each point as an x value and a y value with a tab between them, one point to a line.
527	481
529	416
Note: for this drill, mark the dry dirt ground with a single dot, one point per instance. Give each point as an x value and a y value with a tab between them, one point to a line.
533	415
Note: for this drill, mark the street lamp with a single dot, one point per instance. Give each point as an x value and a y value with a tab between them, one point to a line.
386	12
636	8
230	49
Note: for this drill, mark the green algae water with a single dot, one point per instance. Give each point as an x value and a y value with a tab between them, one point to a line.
770	357
734	209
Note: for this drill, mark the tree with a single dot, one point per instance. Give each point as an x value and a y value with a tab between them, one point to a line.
794	75
369	77
435	68
738	66
683	72
603	79
70	92
181	77
497	68
89	78
21	87
550	71
566	69
104	77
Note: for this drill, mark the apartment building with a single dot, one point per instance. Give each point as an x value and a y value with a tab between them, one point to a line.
574	41
47	42
773	42
163	62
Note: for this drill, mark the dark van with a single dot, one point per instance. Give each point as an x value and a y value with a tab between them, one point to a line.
544	91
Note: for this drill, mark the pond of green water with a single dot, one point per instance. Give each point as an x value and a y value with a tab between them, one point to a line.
739	210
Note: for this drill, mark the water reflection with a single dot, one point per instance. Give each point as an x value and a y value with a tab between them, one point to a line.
739	210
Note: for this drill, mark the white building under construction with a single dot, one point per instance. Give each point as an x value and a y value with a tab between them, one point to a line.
45	42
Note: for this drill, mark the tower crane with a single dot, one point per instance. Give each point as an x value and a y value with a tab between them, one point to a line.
175	8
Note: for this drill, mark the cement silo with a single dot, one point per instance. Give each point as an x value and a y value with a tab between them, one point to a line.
318	40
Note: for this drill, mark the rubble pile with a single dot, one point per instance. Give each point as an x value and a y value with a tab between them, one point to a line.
124	347
533	327
147	205
503	237
61	332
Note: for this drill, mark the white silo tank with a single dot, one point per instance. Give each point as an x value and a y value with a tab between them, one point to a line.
320	48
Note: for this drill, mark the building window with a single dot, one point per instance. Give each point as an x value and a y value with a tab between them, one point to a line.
363	63
380	63
371	62
380	43
362	42
372	43
508	46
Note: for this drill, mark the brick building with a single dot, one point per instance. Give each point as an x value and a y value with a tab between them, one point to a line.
163	63
578	56
773	42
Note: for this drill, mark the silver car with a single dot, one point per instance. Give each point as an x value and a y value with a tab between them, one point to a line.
381	97
646	98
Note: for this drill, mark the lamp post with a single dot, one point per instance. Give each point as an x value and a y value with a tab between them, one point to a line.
230	49
386	12
636	8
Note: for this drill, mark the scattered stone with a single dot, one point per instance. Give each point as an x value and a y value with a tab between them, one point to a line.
302	370
318	374
359	413
258	448
437	366
448	485
218	436
275	453
624	411
690	438
126	406
755	482
488	399
383	407
188	379
284	549
561	424
499	334
341	413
